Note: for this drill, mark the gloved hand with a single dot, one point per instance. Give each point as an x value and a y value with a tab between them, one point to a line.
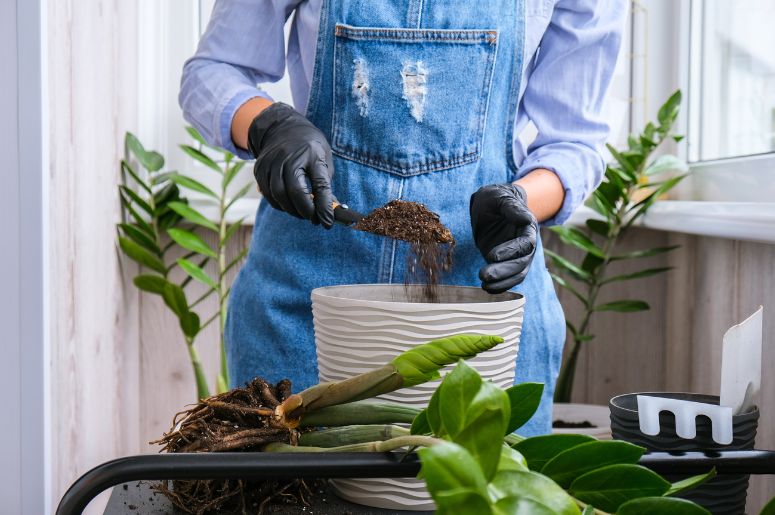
505	232
292	155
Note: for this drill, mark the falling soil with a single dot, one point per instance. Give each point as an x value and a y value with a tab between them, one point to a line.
237	420
431	243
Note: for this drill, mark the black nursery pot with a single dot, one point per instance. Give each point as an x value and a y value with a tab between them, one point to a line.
724	494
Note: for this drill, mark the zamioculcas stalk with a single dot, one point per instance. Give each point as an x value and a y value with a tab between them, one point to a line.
410	368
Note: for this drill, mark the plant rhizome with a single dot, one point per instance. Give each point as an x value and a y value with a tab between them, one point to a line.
242	419
432	244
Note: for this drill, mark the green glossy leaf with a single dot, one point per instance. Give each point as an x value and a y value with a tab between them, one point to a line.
420	424
423	362
434	416
150	283
609	487
141	255
485	424
516	505
127	168
175	299
139	220
140	237
666	163
189	324
191	241
195	134
591	263
524	399
588	510
136	199
241	193
659	505
565	284
566	265
462	500
669	110
197	273
456	394
678	138
538	450
610	191
200	156
600	227
536	487
623	161
578	460
573	236
232	173
645	253
192	215
237	260
511	460
189	183
769	508
690	482
637	275
448	466
232	230
151	160
624	306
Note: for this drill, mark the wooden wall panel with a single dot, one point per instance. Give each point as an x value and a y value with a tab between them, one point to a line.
94	346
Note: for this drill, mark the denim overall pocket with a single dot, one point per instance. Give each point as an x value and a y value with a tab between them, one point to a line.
411	101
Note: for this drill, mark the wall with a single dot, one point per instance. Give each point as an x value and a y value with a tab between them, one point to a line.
93	329
676	346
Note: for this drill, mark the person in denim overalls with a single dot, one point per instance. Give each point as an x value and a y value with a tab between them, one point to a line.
421	100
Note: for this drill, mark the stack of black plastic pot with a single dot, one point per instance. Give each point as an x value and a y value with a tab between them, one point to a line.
724	494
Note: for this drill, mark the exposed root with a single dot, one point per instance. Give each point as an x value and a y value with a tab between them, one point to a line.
242	419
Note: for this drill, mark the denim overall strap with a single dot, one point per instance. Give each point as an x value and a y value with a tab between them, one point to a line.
418	100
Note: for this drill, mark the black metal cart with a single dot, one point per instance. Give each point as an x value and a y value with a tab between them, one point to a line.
256	466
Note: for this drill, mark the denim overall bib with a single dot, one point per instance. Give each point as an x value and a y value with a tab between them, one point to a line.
417	99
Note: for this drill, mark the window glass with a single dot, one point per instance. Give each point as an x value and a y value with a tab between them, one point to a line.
733	79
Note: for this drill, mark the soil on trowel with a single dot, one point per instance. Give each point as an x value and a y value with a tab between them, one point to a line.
238	420
431	243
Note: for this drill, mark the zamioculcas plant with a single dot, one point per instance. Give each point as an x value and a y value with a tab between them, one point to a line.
631	186
471	461
162	234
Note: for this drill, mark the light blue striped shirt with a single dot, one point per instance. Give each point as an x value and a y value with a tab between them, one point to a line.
571	48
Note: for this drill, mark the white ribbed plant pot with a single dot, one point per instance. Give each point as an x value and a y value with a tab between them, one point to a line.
361	327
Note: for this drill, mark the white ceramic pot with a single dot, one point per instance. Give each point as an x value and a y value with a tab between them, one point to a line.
361	327
598	416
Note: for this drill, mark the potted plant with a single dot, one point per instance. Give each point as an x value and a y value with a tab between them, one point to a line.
161	233
632	183
471	460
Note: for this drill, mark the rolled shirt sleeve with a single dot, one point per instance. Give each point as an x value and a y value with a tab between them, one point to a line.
243	45
565	92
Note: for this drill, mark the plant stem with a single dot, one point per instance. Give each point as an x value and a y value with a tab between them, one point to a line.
349	435
380	446
202	390
360	412
223	377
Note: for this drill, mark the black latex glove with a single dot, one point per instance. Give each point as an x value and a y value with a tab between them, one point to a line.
505	232
292	155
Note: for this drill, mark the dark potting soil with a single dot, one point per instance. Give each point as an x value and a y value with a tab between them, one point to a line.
432	244
561	424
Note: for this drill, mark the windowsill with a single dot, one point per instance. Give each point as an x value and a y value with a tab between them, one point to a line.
750	221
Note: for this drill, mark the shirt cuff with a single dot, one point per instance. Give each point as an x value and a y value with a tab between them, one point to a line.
226	112
572	182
